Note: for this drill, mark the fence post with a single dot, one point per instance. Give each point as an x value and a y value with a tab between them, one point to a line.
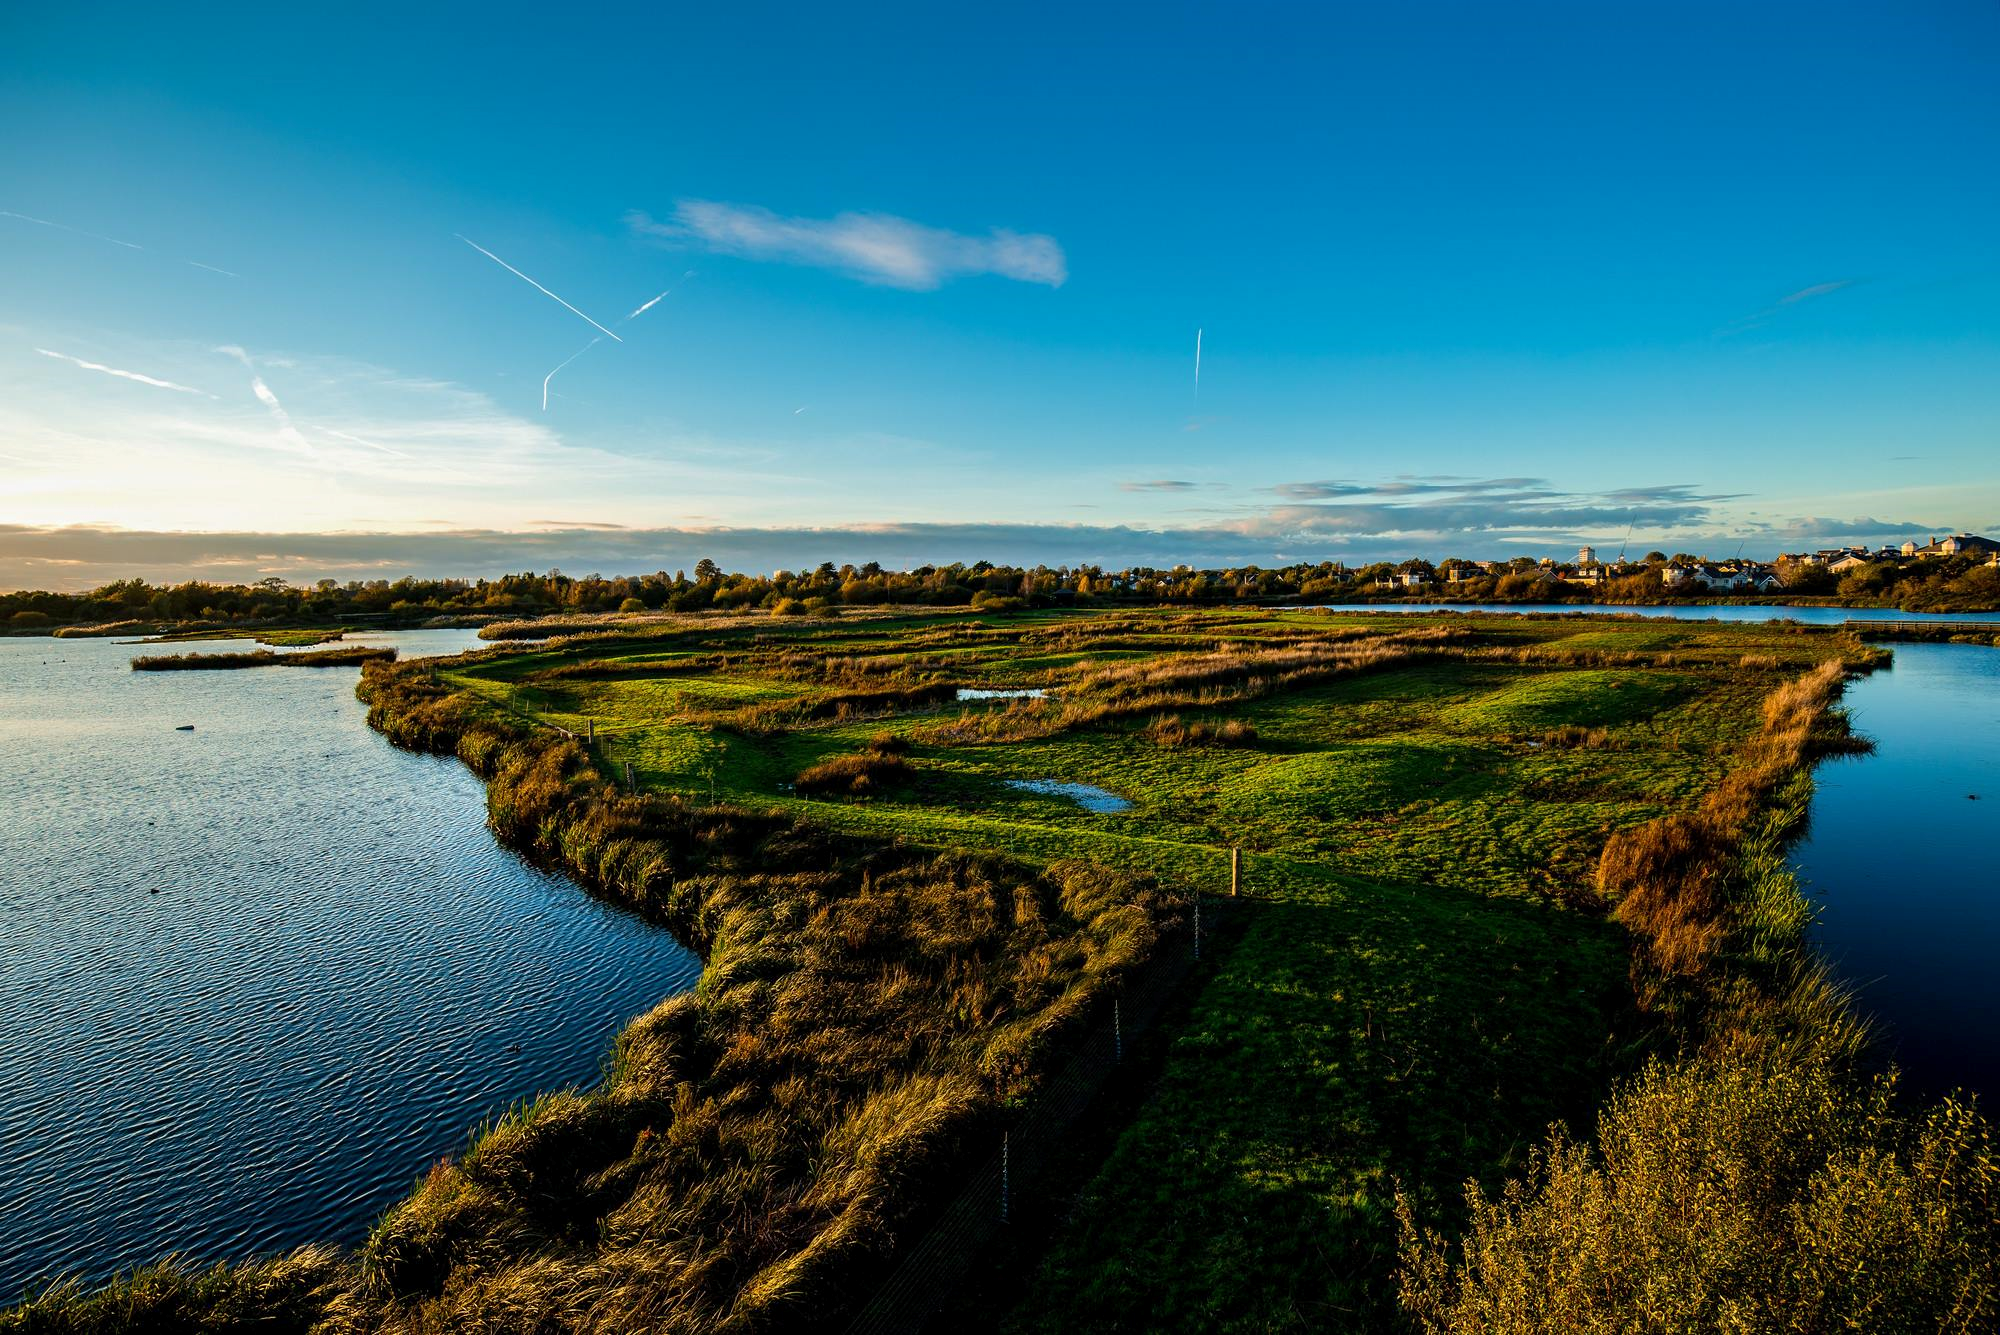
1197	924
1003	1177
631	779
1117	1032
591	724
1235	865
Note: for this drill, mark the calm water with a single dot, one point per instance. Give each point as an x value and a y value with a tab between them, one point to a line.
255	977
1903	861
1811	616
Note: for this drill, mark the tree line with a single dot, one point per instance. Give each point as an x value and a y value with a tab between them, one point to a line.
1955	583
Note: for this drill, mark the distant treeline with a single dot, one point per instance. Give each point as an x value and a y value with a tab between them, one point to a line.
1946	584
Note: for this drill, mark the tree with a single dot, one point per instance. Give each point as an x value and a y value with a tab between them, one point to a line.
706	571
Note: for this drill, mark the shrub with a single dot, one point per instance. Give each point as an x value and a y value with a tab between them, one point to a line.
632	605
1739	1195
789	607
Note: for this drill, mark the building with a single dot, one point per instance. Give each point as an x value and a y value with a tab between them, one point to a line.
1586	556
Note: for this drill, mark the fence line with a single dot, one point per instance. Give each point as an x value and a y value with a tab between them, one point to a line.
935	1265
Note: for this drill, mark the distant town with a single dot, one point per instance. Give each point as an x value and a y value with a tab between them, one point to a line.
1814	571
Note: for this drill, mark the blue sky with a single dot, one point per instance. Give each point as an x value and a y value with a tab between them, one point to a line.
1469	279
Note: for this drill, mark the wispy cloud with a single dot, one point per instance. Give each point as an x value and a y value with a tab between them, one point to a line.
287	432
1159	484
874	247
133	376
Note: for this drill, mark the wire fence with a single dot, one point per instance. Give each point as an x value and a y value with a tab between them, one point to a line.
935	1264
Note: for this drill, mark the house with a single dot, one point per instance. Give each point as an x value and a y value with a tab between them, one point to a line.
1960	544
1848	561
1414	579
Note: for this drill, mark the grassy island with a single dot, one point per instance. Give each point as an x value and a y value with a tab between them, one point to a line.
348	656
1501	873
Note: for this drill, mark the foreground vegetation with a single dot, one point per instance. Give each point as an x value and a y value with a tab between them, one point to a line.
1496	867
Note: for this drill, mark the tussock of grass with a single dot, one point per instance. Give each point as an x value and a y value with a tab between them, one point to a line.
1168	730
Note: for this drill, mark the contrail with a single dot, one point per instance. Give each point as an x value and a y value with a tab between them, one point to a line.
65	227
539	288
99	236
647	307
286	431
327	430
1197	370
552	375
124	375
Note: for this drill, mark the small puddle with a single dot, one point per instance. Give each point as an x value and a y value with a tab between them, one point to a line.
983	693
1087	796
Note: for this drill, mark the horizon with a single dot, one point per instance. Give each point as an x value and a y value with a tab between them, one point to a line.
166	558
1117	288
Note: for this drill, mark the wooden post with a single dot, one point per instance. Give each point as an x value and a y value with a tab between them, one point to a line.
631	779
1003	1177
1117	1032
591	724
1197	924
1235	869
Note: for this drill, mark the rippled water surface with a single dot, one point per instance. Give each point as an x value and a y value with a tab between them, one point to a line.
255	977
1902	860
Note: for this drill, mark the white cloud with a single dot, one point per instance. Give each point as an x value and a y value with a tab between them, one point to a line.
874	247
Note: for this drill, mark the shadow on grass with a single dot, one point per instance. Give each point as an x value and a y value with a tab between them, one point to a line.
1372	1035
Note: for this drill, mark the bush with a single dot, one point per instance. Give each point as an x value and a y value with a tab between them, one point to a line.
1743	1196
28	620
632	605
789	607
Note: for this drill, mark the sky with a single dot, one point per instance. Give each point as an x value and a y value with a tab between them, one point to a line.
362	293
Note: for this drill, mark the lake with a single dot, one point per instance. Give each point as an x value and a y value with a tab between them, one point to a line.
1901	860
1811	616
255	977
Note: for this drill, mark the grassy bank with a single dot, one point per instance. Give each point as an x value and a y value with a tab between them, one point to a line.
1459	834
1763	1178
350	656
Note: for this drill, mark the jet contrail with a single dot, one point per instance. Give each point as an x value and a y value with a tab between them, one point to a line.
552	375
123	375
212	269
65	227
647	307
327	430
539	288
1197	370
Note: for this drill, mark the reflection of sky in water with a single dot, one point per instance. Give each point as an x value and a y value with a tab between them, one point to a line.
1903	863
1087	796
259	974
